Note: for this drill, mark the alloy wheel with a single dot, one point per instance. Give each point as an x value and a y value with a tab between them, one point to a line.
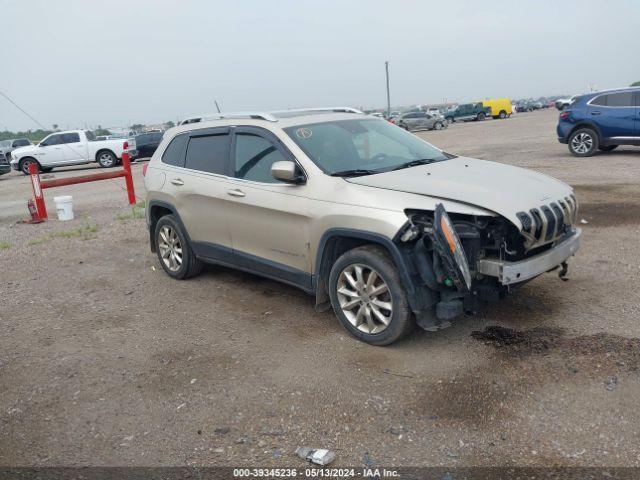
365	298
582	143
106	160
170	248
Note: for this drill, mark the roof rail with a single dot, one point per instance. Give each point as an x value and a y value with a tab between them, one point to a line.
321	109
222	116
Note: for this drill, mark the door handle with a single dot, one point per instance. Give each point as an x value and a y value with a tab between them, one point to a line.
235	192
595	113
177	181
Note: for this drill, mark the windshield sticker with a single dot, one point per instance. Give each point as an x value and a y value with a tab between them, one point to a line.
304	133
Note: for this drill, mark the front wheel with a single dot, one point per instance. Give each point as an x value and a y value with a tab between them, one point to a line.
607	148
107	159
24	165
583	142
368	297
480	116
438	126
449	120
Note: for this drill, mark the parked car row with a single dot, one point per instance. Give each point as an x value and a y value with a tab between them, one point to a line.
75	147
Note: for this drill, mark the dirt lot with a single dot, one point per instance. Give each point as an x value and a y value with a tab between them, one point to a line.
104	360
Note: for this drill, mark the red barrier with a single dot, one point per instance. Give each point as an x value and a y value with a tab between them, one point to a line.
39	186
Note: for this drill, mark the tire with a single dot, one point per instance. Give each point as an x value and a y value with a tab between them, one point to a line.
607	148
168	236
502	115
449	120
405	127
583	142
46	170
480	116
370	327
24	165
438	126
106	159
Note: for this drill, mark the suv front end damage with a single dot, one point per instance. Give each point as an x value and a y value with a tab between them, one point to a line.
458	261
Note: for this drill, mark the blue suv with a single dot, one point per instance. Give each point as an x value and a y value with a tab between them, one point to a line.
601	121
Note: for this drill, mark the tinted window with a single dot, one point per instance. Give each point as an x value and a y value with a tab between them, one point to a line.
208	153
144	138
622	99
174	153
254	157
21	143
70	138
600	101
52	140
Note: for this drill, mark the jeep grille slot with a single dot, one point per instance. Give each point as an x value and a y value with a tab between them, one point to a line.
548	222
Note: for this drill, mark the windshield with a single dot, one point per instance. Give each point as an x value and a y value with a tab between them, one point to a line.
5	143
362	146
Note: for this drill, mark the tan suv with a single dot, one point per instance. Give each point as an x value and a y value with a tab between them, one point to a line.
375	222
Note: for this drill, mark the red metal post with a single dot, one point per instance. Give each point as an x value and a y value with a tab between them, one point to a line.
128	178
37	190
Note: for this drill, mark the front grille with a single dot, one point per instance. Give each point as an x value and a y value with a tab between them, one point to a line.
3	159
546	223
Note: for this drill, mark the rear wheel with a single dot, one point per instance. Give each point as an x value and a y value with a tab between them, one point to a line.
24	165
173	249
502	114
107	159
607	148
480	116
368	297
438	126
583	142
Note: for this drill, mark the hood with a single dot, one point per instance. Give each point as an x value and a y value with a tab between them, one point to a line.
503	189
22	150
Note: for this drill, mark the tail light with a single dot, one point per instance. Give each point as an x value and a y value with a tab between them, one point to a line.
564	115
144	169
125	146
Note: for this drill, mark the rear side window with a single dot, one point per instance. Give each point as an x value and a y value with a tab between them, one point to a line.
70	138
622	99
208	153
174	153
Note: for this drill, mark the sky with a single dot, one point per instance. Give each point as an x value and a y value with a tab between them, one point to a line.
115	63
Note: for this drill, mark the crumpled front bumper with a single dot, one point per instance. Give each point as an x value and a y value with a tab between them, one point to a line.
509	273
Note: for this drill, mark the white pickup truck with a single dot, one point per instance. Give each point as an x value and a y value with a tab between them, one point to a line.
71	147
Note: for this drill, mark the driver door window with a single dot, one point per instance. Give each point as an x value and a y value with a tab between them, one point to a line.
52	151
254	156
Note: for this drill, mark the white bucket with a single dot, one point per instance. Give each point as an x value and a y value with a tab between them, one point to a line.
64	205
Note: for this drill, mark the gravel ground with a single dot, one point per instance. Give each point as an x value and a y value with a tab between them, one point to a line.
104	360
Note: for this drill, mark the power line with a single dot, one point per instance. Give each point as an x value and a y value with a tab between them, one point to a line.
22	110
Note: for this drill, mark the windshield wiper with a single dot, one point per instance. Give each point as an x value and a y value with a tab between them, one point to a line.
414	163
356	172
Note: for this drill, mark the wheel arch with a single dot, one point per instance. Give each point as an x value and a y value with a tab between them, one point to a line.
28	157
106	150
336	241
156	209
586	124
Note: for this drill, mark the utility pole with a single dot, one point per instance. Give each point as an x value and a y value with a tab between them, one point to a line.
216	102
386	68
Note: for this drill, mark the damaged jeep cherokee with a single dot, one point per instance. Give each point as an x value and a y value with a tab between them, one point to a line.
385	228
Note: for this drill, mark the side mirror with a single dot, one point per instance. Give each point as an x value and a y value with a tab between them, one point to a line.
287	171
